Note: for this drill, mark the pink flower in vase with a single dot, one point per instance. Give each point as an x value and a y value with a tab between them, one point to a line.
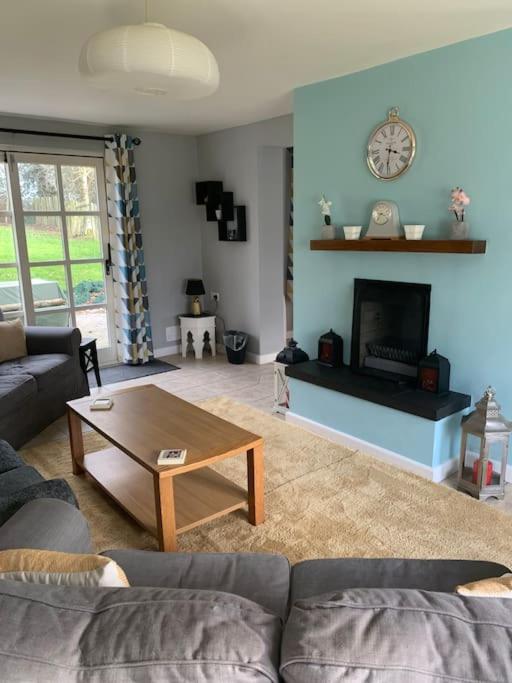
459	201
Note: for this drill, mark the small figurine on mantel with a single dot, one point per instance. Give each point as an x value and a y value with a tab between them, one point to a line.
328	230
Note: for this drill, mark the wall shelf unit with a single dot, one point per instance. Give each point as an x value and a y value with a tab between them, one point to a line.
403	246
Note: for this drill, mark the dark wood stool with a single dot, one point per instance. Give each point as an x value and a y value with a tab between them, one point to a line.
89	358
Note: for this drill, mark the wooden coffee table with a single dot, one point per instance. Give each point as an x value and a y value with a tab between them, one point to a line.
166	500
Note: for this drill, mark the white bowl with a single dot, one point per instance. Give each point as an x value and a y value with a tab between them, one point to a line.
414	232
352	232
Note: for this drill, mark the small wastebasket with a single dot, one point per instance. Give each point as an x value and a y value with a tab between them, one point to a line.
236	345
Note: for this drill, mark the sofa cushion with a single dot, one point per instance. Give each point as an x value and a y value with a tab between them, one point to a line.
135	634
397	636
313	577
18	479
45	368
12	340
15	390
261	577
9	459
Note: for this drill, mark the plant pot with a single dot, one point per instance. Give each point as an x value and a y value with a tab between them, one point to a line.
328	232
459	230
352	232
414	232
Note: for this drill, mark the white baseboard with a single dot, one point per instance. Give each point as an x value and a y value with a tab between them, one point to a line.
435	474
170	350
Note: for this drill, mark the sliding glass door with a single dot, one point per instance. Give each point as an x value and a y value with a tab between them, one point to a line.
54	251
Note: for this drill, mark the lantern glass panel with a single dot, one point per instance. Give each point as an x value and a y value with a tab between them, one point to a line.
495	453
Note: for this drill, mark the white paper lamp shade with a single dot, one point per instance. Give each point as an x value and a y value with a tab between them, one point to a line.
151	59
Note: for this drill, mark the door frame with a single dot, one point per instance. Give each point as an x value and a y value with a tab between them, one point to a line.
106	355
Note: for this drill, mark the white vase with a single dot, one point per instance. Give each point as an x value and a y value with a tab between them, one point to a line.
352	232
328	232
459	230
414	232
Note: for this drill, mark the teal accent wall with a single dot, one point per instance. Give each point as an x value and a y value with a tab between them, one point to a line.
425	441
459	101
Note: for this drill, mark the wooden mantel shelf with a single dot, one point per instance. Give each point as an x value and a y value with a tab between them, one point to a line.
403	245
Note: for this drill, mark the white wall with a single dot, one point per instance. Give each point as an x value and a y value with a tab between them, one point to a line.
248	275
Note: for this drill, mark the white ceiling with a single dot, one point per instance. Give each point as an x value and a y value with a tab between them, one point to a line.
265	48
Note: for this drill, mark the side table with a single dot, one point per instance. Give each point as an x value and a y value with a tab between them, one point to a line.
89	358
198	330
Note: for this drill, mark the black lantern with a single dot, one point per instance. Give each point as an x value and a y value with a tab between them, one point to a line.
330	350
291	354
434	373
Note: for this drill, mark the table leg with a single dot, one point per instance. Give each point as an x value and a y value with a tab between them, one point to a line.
95	364
76	442
255	484
165	513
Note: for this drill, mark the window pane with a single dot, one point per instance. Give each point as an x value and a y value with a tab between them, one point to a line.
53	319
38	184
7	251
5	204
10	293
92	322
49	287
80	188
84	237
88	284
44	238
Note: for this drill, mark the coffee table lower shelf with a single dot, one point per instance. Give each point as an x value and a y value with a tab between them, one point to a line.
199	496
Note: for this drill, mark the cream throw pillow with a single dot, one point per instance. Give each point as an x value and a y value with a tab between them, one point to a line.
499	587
12	340
60	569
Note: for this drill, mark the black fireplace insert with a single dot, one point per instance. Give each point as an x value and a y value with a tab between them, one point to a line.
389	328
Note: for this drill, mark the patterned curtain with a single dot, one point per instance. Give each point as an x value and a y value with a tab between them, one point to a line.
289	258
132	321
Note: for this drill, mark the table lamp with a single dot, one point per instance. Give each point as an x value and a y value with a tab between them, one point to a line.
195	288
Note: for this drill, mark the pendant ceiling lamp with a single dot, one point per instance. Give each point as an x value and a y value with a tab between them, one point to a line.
152	59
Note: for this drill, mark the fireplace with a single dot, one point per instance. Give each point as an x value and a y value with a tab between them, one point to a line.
389	328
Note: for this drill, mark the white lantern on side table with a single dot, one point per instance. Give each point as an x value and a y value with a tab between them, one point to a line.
484	476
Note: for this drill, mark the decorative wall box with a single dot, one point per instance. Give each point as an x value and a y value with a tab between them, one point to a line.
403	245
225	202
208	190
220	209
235	231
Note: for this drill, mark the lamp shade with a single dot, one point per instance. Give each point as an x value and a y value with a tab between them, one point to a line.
195	288
151	59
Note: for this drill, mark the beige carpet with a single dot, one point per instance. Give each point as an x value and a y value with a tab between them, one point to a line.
322	500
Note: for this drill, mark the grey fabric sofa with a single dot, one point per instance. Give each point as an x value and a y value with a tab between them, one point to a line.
34	389
19	484
246	617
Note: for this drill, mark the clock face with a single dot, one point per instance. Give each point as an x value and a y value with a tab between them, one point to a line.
381	213
391	149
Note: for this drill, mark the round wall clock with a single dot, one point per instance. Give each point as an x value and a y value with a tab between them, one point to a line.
391	147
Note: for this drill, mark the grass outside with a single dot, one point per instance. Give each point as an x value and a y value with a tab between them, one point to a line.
47	246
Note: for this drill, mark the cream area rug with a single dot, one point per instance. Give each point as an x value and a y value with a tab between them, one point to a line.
322	500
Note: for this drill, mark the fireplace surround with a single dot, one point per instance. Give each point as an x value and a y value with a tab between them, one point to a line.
389	328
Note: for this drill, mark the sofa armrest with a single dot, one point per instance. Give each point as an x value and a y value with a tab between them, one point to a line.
53	340
51	488
47	524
